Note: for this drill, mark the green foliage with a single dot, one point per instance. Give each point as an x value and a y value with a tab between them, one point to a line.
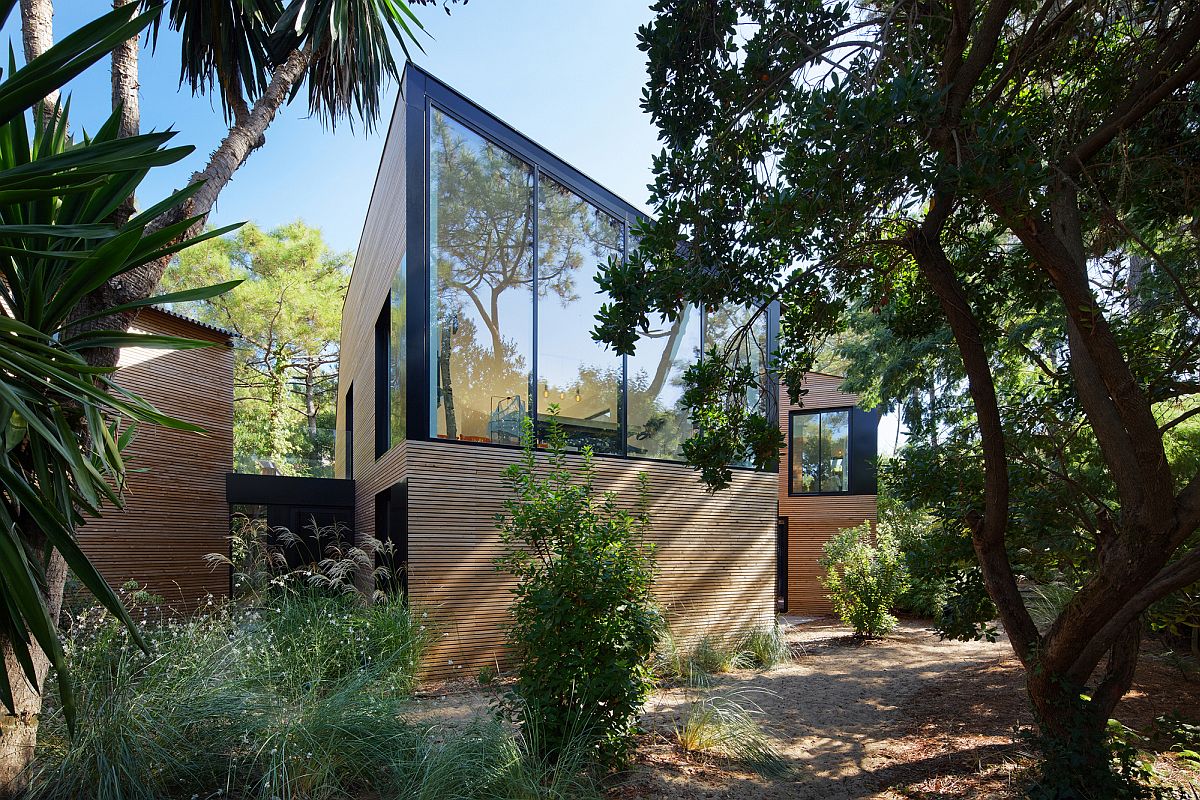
258	560
865	575
1177	617
583	624
235	47
299	695
759	648
767	647
63	422
285	363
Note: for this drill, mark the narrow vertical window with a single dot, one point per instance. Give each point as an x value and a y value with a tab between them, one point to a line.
383	335
397	355
348	443
819	448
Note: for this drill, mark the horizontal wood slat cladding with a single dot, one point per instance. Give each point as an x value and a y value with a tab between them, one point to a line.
715	554
380	252
175	511
813	520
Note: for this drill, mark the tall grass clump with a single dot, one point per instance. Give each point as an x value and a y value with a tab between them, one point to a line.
583	624
302	697
297	691
723	725
761	648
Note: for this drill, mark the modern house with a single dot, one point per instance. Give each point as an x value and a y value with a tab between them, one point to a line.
470	308
175	508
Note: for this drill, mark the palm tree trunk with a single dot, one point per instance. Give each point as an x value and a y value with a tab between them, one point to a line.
124	75
245	136
18	730
37	35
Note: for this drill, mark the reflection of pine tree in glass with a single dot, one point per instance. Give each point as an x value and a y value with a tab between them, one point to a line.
658	424
482	251
574	239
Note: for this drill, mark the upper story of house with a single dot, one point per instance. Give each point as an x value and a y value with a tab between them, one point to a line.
473	299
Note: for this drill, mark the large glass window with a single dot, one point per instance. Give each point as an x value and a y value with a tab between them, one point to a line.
658	424
740	332
579	374
819	448
481	257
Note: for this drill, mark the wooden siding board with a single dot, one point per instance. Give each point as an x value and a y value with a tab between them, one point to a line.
175	511
714	569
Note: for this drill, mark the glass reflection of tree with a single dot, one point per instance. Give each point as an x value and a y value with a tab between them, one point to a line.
482	248
574	238
658	425
820	442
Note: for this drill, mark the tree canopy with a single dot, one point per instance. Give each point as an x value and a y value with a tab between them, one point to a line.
1007	191
286	315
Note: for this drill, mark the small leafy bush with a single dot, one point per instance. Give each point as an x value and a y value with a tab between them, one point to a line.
865	574
583	624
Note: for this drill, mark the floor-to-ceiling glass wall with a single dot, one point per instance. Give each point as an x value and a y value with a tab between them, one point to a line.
514	250
481	201
575	372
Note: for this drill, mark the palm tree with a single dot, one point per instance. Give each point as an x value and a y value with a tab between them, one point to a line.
253	57
63	422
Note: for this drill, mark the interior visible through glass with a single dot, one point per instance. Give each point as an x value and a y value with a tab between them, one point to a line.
575	372
819	451
481	253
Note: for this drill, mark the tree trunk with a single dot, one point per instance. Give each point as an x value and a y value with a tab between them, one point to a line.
18	731
37	36
125	86
1073	732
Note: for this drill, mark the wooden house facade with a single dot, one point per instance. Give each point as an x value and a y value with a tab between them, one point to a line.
469	310
827	482
175	507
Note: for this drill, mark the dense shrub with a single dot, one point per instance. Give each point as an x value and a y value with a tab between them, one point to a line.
865	574
583	625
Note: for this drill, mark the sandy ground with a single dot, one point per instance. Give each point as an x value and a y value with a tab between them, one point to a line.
906	716
831	714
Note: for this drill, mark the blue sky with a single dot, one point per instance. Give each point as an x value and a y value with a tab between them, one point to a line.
567	73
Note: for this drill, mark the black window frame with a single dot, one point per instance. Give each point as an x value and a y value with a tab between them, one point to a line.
849	466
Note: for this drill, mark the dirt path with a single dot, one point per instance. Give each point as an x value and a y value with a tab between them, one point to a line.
852	719
831	714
